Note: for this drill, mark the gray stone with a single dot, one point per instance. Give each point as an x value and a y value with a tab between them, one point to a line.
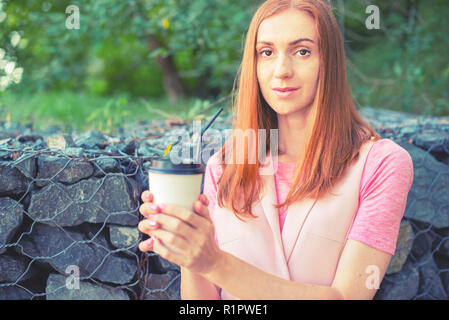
160	265
400	285
14	293
403	247
94	200
29	138
428	197
82	290
26	164
163	286
62	169
5	155
144	150
408	131
432	139
422	244
128	148
88	249
14	268
124	237
69	143
11	217
91	140
444	245
431	287
12	180
4	142
105	165
442	157
443	266
74	151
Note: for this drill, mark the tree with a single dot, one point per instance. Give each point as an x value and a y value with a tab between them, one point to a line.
10	72
196	44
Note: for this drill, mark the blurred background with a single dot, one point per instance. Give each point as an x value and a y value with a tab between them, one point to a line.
138	60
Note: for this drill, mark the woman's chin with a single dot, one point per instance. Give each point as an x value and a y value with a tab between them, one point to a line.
289	111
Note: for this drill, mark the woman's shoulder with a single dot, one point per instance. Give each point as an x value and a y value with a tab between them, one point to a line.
387	158
387	149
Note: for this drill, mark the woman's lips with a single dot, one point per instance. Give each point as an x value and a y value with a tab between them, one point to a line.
285	92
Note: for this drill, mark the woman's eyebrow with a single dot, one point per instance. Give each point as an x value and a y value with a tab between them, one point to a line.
290	44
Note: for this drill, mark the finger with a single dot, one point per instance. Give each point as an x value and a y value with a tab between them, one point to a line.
183	214
201	210
202	197
146	245
147	225
172	241
172	224
165	252
147	196
148	208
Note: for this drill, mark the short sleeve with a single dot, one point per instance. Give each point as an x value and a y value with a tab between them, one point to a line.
386	181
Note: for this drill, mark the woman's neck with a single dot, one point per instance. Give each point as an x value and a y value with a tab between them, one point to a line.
292	136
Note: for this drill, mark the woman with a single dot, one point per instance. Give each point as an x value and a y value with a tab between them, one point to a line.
341	190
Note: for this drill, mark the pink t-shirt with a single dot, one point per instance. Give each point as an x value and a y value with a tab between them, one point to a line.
386	180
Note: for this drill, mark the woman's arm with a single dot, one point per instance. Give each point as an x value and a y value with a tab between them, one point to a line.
358	276
360	271
196	287
248	282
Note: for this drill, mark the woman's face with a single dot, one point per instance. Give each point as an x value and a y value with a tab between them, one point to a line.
288	61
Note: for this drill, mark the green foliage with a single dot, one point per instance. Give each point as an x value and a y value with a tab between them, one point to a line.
196	111
69	110
402	66
203	37
113	112
81	111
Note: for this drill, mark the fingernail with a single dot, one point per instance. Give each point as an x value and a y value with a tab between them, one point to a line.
162	206
153	238
153	224
148	243
154	207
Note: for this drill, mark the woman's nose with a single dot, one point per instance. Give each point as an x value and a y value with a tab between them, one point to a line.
284	68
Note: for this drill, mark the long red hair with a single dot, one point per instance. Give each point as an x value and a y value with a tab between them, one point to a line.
334	137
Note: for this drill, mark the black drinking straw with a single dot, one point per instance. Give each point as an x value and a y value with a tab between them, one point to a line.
211	121
198	146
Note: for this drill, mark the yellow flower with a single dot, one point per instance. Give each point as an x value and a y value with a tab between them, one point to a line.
167	150
165	23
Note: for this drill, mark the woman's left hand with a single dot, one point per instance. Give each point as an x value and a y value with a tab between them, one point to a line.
190	233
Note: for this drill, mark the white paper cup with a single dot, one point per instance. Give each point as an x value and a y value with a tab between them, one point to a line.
175	184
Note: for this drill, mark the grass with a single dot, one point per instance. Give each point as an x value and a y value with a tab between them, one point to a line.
83	112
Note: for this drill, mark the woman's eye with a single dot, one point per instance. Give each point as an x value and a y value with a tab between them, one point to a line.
266	53
304	52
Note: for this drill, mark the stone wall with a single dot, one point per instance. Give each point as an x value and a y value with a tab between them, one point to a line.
69	203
